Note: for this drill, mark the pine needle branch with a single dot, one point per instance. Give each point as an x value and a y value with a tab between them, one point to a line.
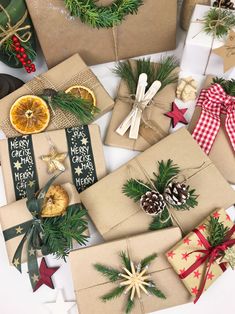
167	171
109	272
147	260
117	292
227	85
125	260
156	292
217	231
130	304
135	189
157	223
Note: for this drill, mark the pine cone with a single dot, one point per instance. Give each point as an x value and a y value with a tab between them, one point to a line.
152	202
176	193
224	4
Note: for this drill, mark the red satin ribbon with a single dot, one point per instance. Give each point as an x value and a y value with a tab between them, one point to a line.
211	254
214	102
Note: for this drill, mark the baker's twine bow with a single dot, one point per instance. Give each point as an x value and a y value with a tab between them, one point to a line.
211	254
214	101
14	30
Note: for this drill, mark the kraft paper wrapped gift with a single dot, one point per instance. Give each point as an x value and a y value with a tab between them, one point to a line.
17	213
89	288
21	159
155	127
193	243
71	72
152	29
221	153
116	215
198	57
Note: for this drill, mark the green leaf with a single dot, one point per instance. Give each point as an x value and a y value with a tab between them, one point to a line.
117	292
135	189
216	231
156	292
167	171
130	304
125	260
109	272
157	223
147	260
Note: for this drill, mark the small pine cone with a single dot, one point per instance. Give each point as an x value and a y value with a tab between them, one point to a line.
152	202
176	193
224	4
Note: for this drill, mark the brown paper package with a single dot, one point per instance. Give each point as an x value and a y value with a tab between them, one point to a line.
89	288
154	116
116	215
41	147
222	153
17	213
71	72
149	31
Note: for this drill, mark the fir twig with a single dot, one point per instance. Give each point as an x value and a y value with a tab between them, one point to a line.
218	22
130	304
157	223
111	273
216	231
125	260
135	189
147	260
154	291
228	85
117	292
167	171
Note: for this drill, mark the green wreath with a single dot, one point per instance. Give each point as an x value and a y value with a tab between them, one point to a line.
102	16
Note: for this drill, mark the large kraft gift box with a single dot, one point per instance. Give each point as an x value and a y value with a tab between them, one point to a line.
21	159
194	242
16	213
116	215
156	125
90	288
221	153
152	29
71	72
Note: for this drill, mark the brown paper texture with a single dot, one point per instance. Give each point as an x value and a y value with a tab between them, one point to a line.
149	31
116	215
154	115
17	213
71	72
41	147
89	288
221	153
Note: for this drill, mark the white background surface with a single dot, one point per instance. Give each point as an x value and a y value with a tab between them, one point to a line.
16	296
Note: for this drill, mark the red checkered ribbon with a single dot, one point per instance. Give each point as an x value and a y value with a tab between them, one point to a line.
214	102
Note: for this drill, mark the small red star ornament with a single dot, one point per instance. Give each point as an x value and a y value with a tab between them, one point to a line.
45	275
177	115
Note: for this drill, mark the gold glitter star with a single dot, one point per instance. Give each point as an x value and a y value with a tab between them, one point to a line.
229	257
19	230
16	262
135	280
17	165
78	171
35	277
84	141
31	252
31	183
54	160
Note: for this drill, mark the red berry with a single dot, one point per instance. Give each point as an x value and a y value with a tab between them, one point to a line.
15	39
22	49
27	68
24	56
29	61
17	44
18	56
17	48
24	63
33	70
21	59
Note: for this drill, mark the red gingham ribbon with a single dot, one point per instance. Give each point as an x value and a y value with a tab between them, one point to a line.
214	102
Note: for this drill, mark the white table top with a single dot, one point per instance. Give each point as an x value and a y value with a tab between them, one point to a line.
16	296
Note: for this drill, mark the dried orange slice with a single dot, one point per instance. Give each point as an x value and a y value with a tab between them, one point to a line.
83	92
29	114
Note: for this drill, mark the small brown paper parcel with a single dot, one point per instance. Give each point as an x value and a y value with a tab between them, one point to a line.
17	213
221	153
21	159
154	126
151	30
116	215
89	288
71	72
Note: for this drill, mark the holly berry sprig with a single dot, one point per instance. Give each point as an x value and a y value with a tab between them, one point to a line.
22	55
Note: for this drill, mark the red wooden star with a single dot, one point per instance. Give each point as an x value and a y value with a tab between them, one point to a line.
45	275
177	115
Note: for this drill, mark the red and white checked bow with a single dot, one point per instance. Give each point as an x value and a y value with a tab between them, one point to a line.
214	102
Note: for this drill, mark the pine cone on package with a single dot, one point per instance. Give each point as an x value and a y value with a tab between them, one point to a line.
152	202
224	4
176	193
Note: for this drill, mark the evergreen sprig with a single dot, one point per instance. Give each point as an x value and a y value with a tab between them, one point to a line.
117	292
59	232
110	273
125	260
163	72
216	231
102	16
228	85
155	291
135	189
83	109
148	260
218	22
161	221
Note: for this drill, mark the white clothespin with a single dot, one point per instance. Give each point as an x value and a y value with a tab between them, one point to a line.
134	118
